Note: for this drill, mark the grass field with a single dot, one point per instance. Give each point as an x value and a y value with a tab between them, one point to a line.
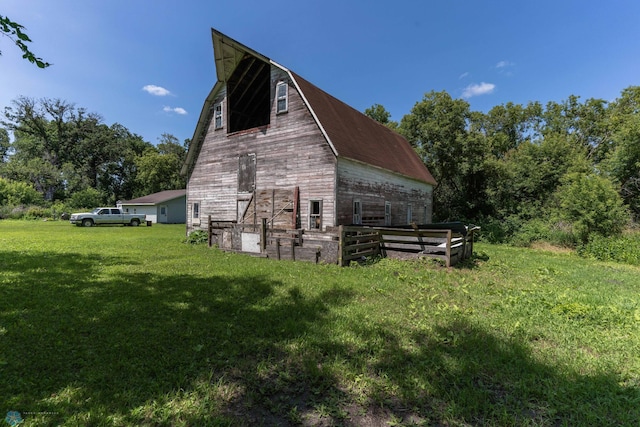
131	326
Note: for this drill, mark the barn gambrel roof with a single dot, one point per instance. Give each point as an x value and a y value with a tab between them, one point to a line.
351	134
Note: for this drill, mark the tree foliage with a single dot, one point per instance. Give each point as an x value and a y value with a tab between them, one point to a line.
521	167
378	113
592	205
15	33
67	153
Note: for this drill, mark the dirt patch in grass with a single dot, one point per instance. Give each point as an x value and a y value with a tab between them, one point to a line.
548	247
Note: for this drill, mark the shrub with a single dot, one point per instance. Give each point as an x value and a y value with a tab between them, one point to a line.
625	248
87	198
18	193
36	212
531	231
197	237
494	230
591	204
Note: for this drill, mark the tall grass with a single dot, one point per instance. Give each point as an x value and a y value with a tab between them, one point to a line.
132	326
625	248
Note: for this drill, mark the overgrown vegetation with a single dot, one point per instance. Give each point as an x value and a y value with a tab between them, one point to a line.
130	326
560	172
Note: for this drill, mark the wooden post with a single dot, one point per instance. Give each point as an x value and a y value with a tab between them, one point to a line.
296	196
278	249
263	235
209	231
448	250
415	228
341	246
293	250
273	207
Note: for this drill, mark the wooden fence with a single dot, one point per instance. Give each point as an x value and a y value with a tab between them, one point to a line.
449	245
356	243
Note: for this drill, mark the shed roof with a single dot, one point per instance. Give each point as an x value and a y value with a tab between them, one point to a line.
350	133
156	198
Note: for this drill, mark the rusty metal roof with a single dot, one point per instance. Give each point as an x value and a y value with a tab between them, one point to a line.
358	137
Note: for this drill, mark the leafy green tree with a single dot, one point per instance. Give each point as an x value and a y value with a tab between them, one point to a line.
378	113
509	125
622	160
591	204
86	199
62	149
117	178
5	144
437	129
532	173
159	167
14	193
15	33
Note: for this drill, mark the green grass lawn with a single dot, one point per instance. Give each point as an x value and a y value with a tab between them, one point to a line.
131	326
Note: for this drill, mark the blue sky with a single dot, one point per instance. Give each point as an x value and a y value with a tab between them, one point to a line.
148	65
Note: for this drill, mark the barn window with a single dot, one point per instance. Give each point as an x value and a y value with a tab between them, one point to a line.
409	214
196	210
249	95
387	213
217	115
357	212
315	214
281	98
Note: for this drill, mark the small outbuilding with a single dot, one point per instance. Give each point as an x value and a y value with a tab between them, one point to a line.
165	207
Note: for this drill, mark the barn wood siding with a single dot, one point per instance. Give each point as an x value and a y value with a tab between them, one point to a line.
373	187
291	151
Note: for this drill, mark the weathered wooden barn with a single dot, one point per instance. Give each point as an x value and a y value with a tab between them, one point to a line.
270	145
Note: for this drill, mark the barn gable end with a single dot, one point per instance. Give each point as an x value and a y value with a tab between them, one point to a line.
270	145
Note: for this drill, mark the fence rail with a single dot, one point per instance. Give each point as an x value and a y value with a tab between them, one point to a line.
450	246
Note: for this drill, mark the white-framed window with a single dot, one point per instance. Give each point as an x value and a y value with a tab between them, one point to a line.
282	102
217	115
195	212
409	214
357	212
315	214
387	213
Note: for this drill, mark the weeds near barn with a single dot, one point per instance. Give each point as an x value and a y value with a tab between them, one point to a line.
131	326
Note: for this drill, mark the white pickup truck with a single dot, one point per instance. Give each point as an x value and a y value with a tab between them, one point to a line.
106	216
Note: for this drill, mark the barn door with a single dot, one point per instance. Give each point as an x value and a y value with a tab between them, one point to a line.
247	173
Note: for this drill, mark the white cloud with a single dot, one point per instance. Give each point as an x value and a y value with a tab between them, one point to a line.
177	110
478	89
156	90
505	64
463	75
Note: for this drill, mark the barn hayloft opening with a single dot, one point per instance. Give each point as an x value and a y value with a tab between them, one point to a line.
248	94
